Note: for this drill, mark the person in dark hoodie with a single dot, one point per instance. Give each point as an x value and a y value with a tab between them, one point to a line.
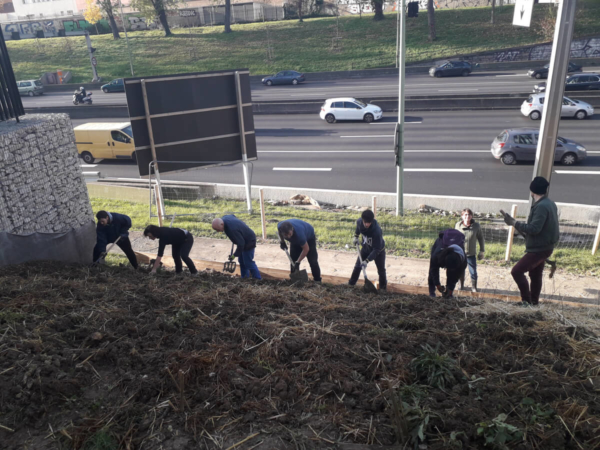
244	238
181	242
373	248
113	226
541	233
453	259
303	244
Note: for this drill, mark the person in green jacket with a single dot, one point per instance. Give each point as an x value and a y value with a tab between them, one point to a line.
473	234
541	233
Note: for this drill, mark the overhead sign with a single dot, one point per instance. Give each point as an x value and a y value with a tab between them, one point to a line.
194	120
523	12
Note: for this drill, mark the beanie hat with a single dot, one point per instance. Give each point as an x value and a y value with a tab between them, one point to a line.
539	186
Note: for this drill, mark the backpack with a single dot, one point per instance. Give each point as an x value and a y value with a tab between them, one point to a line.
452	237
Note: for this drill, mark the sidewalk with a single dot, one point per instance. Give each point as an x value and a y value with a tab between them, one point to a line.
399	270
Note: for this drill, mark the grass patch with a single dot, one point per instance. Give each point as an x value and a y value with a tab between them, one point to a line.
408	236
306	46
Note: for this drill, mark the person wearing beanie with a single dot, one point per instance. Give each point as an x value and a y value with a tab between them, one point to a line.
541	232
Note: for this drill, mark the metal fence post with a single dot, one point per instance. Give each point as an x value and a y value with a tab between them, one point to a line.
596	240
511	235
262	213
374	206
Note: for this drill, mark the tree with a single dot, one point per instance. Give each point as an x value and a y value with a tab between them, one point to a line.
107	7
493	10
227	17
151	9
431	20
92	13
378	8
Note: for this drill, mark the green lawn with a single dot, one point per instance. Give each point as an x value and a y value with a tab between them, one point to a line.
411	235
307	47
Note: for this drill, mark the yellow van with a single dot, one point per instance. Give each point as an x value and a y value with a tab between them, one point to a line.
104	141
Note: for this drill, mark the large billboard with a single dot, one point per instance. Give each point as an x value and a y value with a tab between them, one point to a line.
193	119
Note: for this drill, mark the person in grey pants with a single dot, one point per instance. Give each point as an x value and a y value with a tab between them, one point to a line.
473	234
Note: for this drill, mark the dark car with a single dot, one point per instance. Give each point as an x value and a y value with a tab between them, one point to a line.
542	72
284	77
577	82
114	86
451	69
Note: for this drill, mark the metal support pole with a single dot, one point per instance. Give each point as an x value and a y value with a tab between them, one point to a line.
240	105
88	41
397	31
126	38
555	87
153	149
399	137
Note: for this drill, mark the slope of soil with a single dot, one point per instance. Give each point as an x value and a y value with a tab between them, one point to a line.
109	358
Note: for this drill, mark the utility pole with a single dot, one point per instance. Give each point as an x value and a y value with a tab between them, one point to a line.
93	61
126	38
399	136
397	31
555	88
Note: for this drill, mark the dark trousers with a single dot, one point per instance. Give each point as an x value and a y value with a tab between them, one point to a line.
534	264
312	256
182	251
379	262
248	266
124	244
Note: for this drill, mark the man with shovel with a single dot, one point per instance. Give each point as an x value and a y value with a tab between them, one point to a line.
303	244
113	228
373	248
241	235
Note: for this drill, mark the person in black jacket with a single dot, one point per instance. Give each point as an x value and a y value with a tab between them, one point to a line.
452	259
241	235
181	242
112	226
373	248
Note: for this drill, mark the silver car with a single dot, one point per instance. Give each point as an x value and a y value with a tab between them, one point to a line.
30	87
520	144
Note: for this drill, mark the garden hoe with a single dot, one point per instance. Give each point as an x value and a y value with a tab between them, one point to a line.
368	287
100	260
229	266
299	275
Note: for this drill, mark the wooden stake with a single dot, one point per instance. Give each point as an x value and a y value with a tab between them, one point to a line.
374	206
596	240
262	214
511	235
159	210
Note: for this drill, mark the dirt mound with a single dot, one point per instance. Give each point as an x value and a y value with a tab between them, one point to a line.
108	358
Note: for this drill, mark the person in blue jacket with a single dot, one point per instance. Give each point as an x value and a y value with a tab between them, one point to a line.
110	227
244	238
373	247
451	258
303	244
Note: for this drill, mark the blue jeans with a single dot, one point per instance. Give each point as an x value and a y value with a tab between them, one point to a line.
472	263
248	266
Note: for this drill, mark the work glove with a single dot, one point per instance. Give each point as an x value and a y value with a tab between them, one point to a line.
282	245
480	256
508	219
442	289
296	267
364	264
355	241
231	257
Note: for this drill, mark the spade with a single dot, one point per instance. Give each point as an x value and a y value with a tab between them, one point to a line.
296	275
368	287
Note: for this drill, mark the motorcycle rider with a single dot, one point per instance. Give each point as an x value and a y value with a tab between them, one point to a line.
81	94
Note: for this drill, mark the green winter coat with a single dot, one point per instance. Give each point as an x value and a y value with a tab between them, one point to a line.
472	234
541	230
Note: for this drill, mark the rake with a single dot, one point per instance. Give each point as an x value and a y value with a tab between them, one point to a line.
230	265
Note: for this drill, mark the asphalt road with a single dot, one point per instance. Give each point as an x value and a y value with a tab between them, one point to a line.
447	153
385	86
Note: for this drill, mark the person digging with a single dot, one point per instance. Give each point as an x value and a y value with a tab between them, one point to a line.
181	242
244	238
373	248
541	232
449	257
303	244
113	228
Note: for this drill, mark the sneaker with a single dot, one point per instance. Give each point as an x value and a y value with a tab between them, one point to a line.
524	304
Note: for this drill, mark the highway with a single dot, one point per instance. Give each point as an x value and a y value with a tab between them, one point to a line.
385	86
447	153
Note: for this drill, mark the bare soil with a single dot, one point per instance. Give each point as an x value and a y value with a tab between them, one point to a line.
110	358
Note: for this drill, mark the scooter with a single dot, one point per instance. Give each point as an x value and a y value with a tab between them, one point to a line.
85	100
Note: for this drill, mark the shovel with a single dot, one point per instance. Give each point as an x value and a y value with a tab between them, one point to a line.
299	275
229	266
368	287
103	255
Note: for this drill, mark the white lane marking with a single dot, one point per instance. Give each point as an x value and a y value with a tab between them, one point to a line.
372	151
374	136
579	172
515	75
88	165
304	169
595	153
390	123
454	90
439	170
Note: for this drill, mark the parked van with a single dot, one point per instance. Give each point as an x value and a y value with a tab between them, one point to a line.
105	141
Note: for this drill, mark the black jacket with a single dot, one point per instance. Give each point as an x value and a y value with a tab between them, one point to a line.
170	236
372	238
452	276
239	233
118	225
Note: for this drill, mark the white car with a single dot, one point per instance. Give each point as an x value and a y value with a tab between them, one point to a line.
349	108
533	106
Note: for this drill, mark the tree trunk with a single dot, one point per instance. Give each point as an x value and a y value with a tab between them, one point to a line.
162	17
378	5
300	11
493	8
431	20
113	24
227	16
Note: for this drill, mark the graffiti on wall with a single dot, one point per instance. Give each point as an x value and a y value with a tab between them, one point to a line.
581	48
49	27
187	13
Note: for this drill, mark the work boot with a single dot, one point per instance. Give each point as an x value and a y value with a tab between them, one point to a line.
474	286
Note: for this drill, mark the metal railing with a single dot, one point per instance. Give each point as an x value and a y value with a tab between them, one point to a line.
11	106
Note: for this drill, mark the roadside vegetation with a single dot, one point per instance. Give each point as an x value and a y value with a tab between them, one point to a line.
408	236
320	44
